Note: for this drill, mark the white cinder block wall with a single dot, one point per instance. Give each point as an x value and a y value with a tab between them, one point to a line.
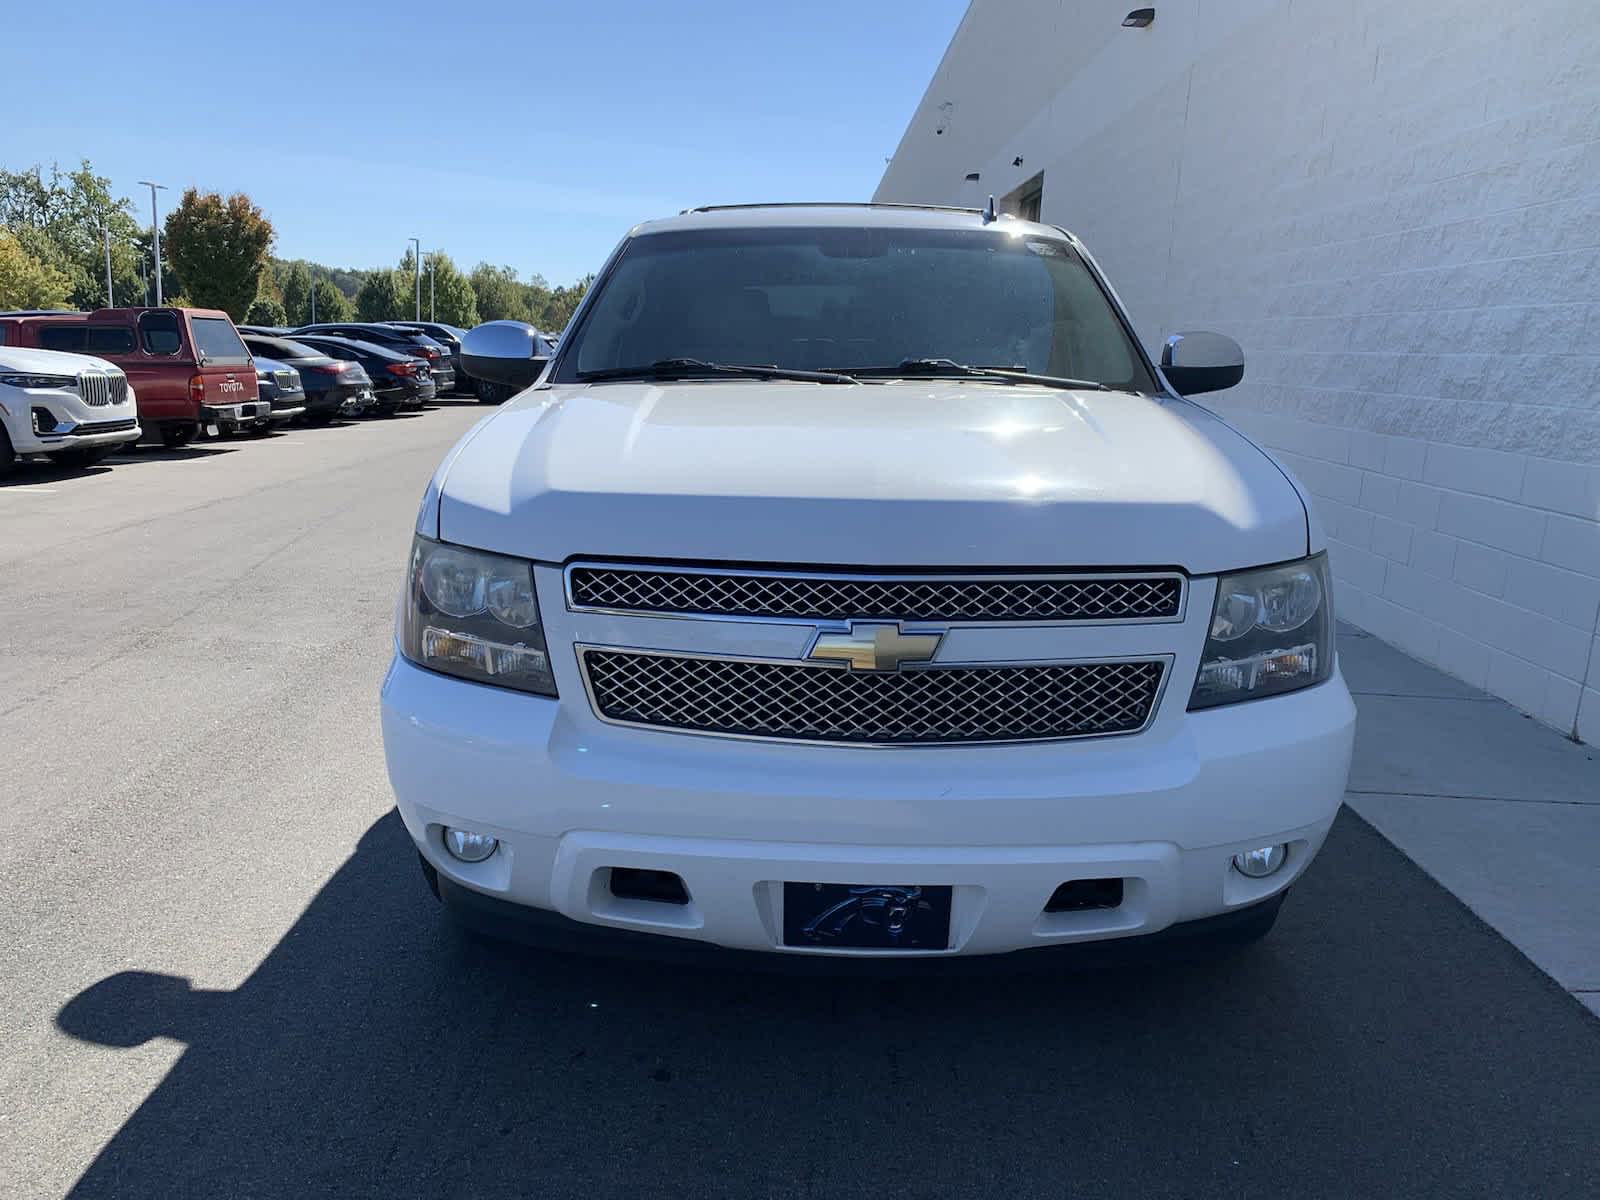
1395	207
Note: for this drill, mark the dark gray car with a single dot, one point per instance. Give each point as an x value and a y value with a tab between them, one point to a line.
448	336
334	385
398	380
408	341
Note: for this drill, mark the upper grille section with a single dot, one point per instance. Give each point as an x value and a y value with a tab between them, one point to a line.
1145	597
99	389
794	701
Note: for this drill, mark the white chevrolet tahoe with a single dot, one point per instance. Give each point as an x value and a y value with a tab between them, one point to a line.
73	407
849	582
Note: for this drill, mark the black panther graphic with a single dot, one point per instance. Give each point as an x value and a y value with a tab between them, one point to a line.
888	910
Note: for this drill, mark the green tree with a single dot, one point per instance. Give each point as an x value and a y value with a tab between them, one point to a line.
332	304
500	296
296	288
171	282
266	310
559	306
453	299
63	219
219	247
28	282
381	298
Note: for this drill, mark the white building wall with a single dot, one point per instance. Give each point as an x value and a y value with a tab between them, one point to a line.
1395	207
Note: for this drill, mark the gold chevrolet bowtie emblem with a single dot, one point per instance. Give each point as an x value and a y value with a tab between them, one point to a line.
875	647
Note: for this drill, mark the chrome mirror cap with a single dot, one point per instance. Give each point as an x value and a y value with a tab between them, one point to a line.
508	352
1198	361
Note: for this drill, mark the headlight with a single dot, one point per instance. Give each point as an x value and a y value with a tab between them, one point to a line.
1271	632
69	382
474	615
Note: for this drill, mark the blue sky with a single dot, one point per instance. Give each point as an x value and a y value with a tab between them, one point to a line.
525	133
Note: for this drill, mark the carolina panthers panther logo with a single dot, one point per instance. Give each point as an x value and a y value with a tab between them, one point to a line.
889	909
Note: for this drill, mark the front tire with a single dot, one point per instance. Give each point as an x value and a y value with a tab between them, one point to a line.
8	456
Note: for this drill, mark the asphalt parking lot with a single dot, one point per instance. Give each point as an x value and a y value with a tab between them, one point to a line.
222	975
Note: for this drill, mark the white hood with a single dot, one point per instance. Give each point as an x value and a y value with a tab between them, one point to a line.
50	362
914	474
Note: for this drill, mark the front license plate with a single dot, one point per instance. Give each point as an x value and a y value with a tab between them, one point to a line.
860	916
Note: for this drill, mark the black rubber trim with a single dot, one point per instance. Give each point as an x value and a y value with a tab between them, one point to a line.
497	918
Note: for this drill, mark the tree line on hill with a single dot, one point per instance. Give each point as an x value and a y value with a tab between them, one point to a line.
215	253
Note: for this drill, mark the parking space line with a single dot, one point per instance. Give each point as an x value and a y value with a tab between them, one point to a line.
37	491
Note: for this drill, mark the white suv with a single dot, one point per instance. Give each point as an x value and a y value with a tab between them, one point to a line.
851	583
73	407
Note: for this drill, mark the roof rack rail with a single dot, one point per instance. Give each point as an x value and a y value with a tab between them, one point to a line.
829	204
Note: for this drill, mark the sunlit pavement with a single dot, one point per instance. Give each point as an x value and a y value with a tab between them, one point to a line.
222	975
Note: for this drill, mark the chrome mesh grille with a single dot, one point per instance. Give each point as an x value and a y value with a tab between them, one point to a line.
287	381
847	597
934	705
99	390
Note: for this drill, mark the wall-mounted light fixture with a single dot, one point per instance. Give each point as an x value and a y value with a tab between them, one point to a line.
973	177
1139	18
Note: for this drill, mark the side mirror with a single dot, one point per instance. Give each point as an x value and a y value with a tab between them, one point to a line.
505	352
1201	362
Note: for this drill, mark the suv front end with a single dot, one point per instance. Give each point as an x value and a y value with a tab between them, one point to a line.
586	765
73	408
911	659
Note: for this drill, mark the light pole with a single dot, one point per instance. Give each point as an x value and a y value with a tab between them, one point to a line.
432	312
417	259
110	299
155	228
312	275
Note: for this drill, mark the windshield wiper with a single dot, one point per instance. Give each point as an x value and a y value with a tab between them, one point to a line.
928	368
692	368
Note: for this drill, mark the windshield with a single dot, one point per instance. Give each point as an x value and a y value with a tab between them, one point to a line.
844	298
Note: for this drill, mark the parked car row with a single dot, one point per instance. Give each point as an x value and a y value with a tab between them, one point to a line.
77	386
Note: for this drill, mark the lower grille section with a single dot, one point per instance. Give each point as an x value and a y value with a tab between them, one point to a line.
936	705
105	426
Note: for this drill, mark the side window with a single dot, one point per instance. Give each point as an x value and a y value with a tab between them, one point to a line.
158	331
108	339
62	337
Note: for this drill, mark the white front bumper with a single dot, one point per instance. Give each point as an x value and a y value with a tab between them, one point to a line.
69	410
570	798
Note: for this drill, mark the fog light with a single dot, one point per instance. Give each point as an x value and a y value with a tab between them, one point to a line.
1260	862
468	846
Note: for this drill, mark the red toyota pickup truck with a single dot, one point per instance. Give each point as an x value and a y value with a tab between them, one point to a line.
187	366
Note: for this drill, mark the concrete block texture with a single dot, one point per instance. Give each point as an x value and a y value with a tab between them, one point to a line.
1394	208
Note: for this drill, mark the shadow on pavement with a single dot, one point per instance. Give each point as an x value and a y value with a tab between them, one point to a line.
1381	1042
194	451
28	473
